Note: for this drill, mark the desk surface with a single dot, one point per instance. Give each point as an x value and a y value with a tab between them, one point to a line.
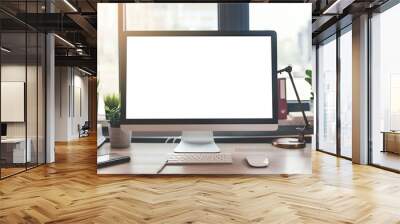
390	132
13	140
147	158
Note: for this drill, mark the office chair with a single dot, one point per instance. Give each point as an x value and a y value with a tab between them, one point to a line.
84	130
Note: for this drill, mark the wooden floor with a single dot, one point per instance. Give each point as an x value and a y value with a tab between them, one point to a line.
10	171
69	191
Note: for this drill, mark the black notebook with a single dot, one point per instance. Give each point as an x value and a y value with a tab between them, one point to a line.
111	159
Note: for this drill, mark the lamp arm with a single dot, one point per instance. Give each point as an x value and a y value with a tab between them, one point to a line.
288	70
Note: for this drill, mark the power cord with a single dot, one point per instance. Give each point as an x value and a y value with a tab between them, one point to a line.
166	161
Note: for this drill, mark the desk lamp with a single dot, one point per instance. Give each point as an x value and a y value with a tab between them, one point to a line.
299	142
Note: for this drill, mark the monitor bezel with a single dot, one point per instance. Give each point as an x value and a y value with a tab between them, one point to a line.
122	84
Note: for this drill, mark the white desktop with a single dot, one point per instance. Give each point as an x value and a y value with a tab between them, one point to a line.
20	153
198	82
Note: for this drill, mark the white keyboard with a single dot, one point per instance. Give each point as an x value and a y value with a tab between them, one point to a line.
199	158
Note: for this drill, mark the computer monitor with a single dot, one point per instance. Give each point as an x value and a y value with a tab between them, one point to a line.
3	130
198	82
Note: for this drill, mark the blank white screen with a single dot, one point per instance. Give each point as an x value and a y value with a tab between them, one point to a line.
198	77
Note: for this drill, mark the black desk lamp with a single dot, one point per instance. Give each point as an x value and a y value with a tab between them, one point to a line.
299	142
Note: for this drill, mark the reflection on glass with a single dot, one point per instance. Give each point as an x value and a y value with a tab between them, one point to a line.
327	96
346	94
385	84
13	85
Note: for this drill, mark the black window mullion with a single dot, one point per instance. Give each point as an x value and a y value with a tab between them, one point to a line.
26	86
316	104
233	17
37	90
369	100
338	95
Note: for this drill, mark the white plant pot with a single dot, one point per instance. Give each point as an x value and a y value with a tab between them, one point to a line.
119	138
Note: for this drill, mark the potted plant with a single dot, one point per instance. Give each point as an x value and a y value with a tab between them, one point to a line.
118	138
308	79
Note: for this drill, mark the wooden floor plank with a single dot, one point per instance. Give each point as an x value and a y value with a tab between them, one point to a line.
70	191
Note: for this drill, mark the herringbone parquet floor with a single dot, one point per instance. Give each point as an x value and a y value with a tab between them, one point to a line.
69	191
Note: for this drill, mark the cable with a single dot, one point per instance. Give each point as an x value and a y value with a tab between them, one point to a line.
174	139
166	161
163	166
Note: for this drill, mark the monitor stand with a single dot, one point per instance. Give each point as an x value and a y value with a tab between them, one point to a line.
197	141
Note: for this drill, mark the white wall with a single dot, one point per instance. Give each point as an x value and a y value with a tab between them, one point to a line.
62	82
79	117
70	83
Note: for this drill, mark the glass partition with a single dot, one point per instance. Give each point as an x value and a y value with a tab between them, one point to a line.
22	66
13	92
346	93
327	96
385	89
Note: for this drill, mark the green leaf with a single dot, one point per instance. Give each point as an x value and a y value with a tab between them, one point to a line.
112	106
308	79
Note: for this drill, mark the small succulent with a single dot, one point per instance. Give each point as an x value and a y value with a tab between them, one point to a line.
112	108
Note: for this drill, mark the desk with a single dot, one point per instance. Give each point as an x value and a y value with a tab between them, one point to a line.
13	150
147	158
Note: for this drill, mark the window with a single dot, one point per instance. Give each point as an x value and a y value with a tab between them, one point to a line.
346	93
294	39
327	96
171	16
385	86
107	59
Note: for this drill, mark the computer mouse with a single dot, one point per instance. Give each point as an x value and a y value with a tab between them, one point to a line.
257	161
